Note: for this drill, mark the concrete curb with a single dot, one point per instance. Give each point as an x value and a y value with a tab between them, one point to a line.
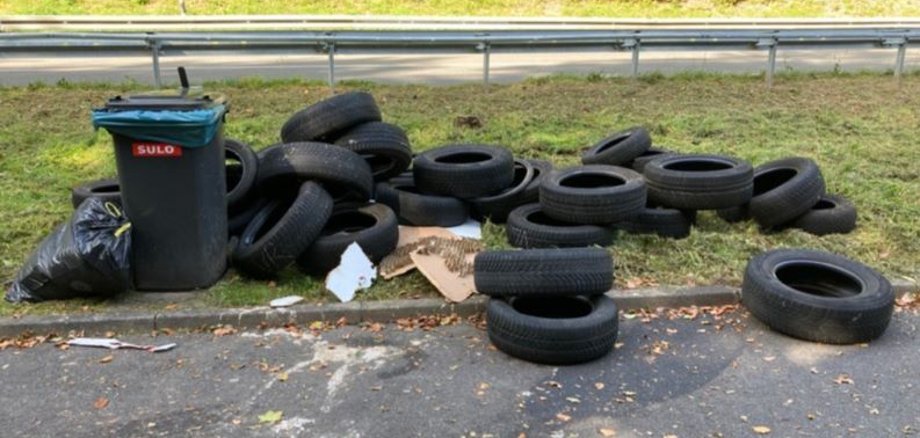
354	312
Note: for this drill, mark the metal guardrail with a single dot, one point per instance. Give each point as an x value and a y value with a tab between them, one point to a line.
485	43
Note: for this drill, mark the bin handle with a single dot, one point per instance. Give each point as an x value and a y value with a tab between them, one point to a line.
183	80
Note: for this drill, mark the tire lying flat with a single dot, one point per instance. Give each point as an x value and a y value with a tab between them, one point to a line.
699	182
464	171
329	118
817	296
372	226
497	207
547	272
665	222
593	194
281	231
619	148
832	214
638	163
529	227
415	208
553	330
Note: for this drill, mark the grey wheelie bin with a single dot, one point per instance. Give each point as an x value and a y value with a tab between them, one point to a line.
169	151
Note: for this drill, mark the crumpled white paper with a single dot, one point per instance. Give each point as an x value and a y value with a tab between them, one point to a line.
470	229
355	272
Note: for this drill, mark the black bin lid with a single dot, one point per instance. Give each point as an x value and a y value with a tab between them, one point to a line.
185	100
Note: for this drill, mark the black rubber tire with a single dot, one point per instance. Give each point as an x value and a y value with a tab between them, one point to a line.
325	163
541	170
551	272
497	207
665	222
734	214
817	296
785	189
618	148
385	147
832	214
638	163
372	226
529	227
108	190
238	194
237	222
281	231
415	208
464	171
553	330
699	182
329	118
593	194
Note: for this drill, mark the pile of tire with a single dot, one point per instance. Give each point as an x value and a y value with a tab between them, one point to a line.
549	305
790	193
449	184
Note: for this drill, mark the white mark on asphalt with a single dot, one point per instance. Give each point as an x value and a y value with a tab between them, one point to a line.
293	426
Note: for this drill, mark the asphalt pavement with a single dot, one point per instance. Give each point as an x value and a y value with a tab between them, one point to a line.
724	375
430	68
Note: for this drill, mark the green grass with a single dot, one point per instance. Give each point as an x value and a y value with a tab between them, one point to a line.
575	8
862	129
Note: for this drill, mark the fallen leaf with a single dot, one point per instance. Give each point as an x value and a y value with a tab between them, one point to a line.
598	386
101	403
843	379
563	417
606	431
769	358
761	430
283	376
224	330
270	417
107	359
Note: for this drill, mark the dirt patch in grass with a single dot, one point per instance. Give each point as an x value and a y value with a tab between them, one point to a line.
861	129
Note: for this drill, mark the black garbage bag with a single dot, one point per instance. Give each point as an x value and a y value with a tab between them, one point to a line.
87	256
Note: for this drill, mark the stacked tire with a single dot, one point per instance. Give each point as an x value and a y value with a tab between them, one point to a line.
450	183
549	305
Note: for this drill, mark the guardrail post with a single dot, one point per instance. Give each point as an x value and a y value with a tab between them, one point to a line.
633	46
486	54
330	47
155	50
770	44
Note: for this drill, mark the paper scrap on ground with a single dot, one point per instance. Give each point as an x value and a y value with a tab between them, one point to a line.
115	344
286	301
355	272
455	285
471	229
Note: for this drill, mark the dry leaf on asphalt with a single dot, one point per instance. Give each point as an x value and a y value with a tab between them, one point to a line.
563	417
761	430
224	330
606	432
101	403
843	379
270	417
107	359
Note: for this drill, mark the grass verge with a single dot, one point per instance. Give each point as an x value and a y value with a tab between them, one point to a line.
860	128
552	8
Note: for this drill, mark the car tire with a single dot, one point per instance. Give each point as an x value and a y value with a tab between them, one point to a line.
565	271
337	169
239	187
832	214
418	209
593	194
662	221
784	189
327	119
529	227
638	163
464	171
817	296
372	226
699	182
553	330
618	148
385	147
497	207
281	231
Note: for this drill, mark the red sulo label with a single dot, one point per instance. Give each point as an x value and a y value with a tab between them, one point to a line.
155	150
